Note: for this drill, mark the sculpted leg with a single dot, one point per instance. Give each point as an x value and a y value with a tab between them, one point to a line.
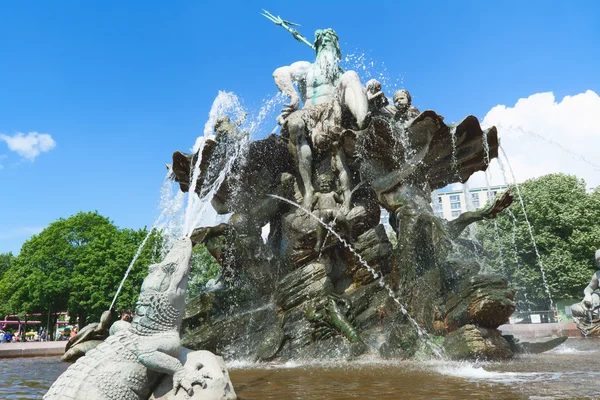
321	232
298	133
344	177
578	310
354	97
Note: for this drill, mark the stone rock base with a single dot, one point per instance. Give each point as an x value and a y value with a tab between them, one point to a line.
472	342
217	386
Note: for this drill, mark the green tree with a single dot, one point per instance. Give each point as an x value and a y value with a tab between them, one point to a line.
6	260
76	264
204	267
565	221
97	278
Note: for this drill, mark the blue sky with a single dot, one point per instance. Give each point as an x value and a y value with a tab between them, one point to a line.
120	85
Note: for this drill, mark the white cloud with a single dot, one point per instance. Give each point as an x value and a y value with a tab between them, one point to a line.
542	136
29	145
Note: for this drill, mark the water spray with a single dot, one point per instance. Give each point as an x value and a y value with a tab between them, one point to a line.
537	253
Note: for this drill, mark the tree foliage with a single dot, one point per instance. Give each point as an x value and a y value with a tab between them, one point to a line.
204	268
76	264
565	221
6	260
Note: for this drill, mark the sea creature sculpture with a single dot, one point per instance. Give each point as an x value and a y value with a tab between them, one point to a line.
130	364
333	318
87	339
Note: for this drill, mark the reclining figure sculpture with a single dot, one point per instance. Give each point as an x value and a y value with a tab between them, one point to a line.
586	313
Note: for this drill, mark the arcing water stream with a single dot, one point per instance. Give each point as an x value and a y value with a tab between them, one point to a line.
381	281
516	255
139	250
574	154
537	253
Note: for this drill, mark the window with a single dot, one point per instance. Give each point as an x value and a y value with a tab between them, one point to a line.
455	213
491	194
440	199
455	206
475	200
455	197
439	214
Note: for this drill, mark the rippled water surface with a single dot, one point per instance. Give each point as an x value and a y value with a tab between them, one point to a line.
570	371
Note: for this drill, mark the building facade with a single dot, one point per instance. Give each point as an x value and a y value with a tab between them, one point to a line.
450	204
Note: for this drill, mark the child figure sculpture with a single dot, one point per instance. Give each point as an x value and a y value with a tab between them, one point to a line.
327	206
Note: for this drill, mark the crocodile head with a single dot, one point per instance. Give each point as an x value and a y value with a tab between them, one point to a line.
162	295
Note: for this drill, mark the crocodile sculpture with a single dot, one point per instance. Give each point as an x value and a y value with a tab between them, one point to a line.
129	364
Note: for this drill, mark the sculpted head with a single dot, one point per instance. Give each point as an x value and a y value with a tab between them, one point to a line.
325	183
327	39
165	286
402	99
373	86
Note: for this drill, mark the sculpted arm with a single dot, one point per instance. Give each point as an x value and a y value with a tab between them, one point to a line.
153	355
337	198
153	358
285	78
592	286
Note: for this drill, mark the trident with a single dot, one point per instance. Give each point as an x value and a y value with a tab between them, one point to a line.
287	25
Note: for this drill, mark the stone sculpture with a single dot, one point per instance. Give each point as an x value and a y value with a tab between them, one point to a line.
88	338
403	104
586	314
129	364
327	207
333	100
344	156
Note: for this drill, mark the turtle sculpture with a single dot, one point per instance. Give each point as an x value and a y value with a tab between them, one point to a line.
88	338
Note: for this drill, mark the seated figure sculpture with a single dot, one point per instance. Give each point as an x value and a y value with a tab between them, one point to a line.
586	313
403	110
333	100
377	100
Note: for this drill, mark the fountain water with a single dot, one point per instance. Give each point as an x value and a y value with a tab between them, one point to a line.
516	255
537	136
537	253
454	158
513	236
167	208
226	104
